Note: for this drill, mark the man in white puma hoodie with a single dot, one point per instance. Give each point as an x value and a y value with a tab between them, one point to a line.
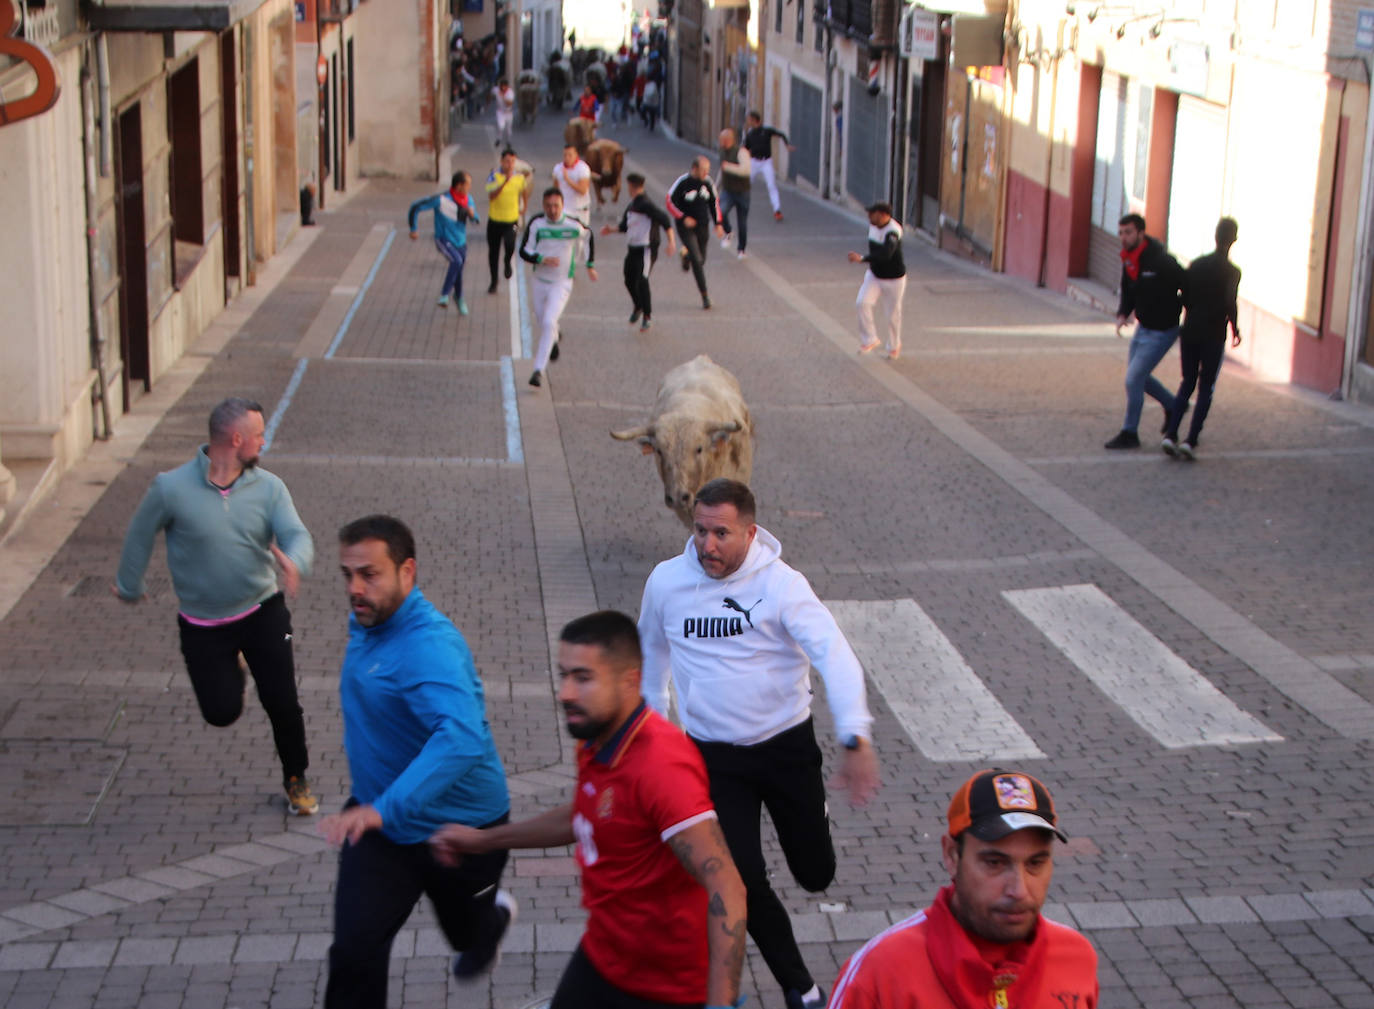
739	630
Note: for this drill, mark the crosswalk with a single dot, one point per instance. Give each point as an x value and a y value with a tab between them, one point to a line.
950	714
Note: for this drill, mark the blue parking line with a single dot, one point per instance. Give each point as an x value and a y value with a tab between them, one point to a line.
283	403
514	451
362	293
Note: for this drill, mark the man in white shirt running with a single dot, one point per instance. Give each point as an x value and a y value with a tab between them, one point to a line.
551	246
573	177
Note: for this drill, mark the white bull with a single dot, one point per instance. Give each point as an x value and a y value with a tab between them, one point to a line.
700	430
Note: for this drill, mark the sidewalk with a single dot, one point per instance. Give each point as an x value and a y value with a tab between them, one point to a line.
953	507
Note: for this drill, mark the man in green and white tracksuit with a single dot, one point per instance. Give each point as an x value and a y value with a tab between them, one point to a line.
551	245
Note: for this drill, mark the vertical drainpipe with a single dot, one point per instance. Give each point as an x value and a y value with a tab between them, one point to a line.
1357	325
246	75
322	106
88	164
827	107
1042	274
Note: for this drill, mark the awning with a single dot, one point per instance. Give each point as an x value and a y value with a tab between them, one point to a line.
169	15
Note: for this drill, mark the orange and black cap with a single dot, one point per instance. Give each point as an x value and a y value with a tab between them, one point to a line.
993	804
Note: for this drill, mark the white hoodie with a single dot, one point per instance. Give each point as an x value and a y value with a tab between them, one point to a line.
740	648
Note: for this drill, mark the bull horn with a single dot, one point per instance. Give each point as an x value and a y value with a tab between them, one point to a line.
643	431
729	428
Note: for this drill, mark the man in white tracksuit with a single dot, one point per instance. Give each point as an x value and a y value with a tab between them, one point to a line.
551	245
884	280
738	630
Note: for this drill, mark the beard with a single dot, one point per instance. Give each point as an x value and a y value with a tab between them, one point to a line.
587	728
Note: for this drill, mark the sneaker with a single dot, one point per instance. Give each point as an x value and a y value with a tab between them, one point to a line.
634	317
644	324
892	355
443	301
705	301
777	216
553	354
508	271
300	801
742	254
796	1000
462	307
1124	439
725	242
537	379
492	289
1168	447
1187	450
471	964
864	348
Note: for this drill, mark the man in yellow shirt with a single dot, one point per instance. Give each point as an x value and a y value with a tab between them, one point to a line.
507	191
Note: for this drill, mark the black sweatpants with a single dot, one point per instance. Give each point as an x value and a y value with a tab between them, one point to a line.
694	241
379	883
782	774
499	233
583	987
264	640
637	264
1201	363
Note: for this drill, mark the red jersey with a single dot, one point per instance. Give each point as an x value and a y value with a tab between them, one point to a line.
928	961
646	924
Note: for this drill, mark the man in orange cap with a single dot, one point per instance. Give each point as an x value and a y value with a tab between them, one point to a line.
983	942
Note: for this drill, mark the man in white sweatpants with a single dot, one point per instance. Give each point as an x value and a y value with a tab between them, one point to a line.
758	141
884	280
551	245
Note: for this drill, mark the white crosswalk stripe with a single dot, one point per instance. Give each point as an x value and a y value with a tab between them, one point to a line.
939	700
1159	691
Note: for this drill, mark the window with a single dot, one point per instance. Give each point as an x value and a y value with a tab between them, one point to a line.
351	131
777	16
801	22
183	100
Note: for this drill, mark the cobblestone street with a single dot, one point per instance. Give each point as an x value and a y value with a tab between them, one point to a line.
1183	652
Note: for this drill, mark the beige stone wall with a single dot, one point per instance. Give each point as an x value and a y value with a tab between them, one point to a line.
397	59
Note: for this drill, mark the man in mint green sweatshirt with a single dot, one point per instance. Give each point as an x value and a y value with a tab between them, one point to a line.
226	520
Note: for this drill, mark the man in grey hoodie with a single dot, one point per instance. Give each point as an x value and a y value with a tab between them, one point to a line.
739	631
226	520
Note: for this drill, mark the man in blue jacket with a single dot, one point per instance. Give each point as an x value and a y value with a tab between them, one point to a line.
420	755
452	211
226	520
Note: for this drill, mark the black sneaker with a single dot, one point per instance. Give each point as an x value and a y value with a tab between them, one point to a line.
1124	439
553	354
471	964
537	379
508	271
492	288
686	263
644	324
705	301
634	317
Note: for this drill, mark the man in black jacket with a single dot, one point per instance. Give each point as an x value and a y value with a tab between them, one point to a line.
1151	290
692	202
1213	282
884	280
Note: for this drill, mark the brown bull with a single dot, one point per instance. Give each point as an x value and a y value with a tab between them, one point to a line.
606	159
579	133
700	429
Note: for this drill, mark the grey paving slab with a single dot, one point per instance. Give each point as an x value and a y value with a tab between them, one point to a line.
1282	907
84	953
133	889
177	877
1104	914
1220	910
89	902
1340	903
205	949
142	952
42	915
1160	911
26	955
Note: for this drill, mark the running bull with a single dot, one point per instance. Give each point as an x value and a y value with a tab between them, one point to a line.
700	430
606	159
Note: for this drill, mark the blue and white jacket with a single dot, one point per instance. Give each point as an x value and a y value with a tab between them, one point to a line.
450	217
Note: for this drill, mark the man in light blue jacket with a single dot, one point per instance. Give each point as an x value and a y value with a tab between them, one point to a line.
226	520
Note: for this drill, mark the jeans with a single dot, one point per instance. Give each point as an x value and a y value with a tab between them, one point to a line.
1148	348
694	242
782	774
1201	364
456	255
617	109
264	639
379	884
740	203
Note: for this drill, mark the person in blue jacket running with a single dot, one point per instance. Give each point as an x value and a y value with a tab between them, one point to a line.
420	755
452	211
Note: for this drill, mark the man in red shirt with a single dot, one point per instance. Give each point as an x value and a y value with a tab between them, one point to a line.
983	943
666	907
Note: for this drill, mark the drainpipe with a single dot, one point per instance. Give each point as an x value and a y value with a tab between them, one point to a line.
102	76
88	164
246	75
827	111
1041	274
1357	324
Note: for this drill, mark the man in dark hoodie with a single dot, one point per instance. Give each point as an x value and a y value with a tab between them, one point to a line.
1151	290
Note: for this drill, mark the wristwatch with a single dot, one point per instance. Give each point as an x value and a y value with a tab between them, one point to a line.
852	742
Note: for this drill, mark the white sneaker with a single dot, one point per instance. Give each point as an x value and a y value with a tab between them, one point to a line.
725	242
742	255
